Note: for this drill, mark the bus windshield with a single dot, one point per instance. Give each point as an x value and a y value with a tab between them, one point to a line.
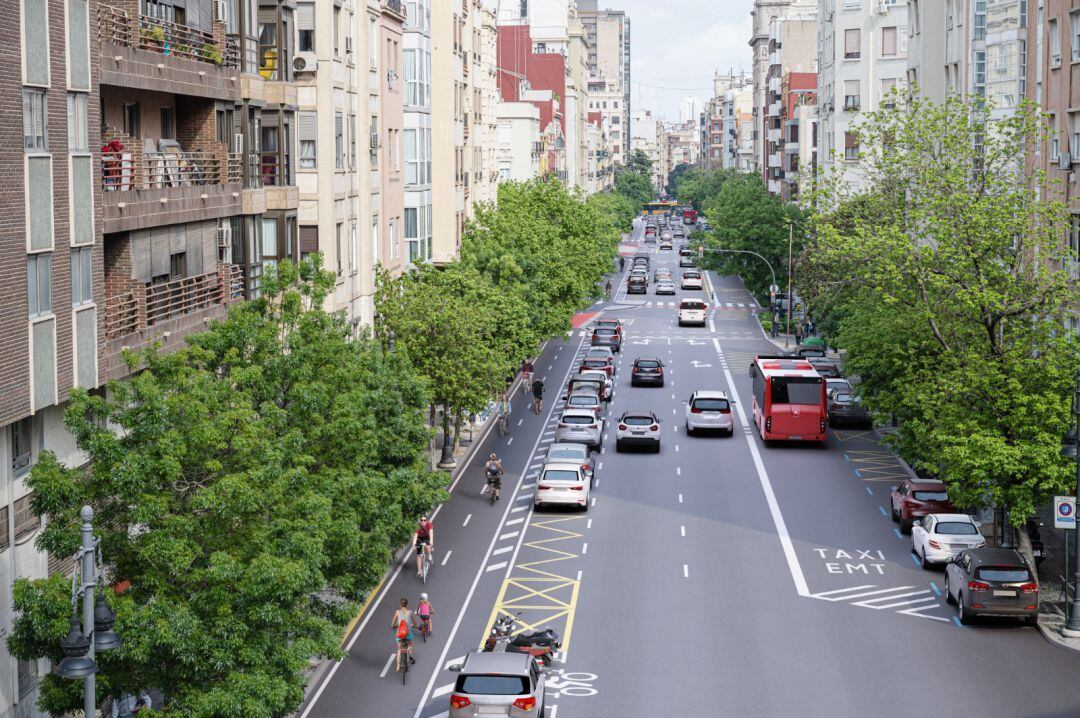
796	390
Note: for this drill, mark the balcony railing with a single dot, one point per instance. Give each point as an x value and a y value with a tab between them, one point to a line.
148	304
119	27
124	171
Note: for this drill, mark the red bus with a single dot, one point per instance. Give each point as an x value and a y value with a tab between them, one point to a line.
789	399
689	216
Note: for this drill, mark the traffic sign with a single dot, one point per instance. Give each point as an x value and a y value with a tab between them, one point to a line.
1064	512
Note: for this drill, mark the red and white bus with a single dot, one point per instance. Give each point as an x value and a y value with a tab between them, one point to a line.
789	399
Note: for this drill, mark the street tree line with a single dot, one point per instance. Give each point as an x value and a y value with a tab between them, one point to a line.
248	490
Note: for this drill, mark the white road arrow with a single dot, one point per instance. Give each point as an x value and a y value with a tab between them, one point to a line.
694	342
640	341
700	365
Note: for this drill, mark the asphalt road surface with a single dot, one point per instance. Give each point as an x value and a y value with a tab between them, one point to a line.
719	577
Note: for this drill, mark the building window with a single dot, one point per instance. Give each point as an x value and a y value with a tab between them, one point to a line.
851	146
1055	42
131	119
39	284
78	122
888	42
305	26
852	44
1074	129
851	94
980	73
888	99
339	141
308	133
82	287
337	247
374	140
35	138
1055	141
373	43
21	451
26	523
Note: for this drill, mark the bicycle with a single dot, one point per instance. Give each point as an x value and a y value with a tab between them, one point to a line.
504	424
425	627
494	483
526	381
403	658
425	562
538	404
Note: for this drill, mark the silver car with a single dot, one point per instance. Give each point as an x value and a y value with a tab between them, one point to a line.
665	286
497	684
573	453
583	398
709	410
691	279
581	426
609	385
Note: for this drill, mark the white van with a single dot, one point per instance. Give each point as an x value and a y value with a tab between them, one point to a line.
692	311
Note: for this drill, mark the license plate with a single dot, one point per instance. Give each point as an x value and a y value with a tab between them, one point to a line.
795	438
638	433
1005	593
491	710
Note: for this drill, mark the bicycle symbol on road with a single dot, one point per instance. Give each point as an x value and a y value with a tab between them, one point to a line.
571	684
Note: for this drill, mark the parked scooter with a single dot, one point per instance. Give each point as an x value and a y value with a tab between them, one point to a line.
1037	549
541	645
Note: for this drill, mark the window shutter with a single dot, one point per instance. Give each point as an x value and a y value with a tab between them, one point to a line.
851	42
851	88
309	238
888	41
308	127
305	16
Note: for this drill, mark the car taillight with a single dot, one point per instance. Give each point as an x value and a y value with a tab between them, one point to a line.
636	370
525	704
543	487
725	411
768	423
933	543
622	427
457	701
654	427
695	410
821	426
1030	587
585	467
978	586
577	488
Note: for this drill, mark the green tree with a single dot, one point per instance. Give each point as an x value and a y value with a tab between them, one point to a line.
616	210
698	185
635	186
677	172
639	163
247	490
948	272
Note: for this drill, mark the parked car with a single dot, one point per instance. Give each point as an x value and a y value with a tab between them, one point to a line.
935	538
506	683
615	324
562	484
826	367
845	409
638	428
709	410
992	582
580	426
692	311
647	370
586	398
607	337
912	499
572	453
691	279
595	381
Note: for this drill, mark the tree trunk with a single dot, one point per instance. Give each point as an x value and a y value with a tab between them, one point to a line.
457	428
446	423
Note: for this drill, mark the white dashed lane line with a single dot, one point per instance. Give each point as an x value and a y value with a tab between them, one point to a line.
446	557
467	519
682	531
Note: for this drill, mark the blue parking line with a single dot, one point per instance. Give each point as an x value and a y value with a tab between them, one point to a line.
869	491
937	591
846	457
883	511
915	559
897	532
858	473
957	622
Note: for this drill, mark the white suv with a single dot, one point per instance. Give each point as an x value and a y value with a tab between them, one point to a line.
562	484
709	410
692	311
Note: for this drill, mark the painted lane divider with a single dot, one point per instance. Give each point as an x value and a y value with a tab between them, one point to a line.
898	534
446	557
467	519
883	511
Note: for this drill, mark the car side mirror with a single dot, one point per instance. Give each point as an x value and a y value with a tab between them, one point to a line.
895	488
950	559
456	668
917	522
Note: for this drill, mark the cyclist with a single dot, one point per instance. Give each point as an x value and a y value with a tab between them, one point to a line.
493	472
607	289
424	541
425	611
504	413
404	617
526	374
622	263
538	395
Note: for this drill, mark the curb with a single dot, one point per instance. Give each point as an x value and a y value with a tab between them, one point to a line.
1053	637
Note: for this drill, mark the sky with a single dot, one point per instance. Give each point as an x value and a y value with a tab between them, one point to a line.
676	45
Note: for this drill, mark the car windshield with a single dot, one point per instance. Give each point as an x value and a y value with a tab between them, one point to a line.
569	453
956	528
796	390
582	420
601	353
931	496
647	363
1003	573
493	685
561	475
637	420
711	404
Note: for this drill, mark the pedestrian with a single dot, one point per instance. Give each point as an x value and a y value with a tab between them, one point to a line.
810	329
774	328
798	336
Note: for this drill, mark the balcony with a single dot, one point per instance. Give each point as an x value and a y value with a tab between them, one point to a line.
774	84
774	135
774	187
174	57
774	160
791	148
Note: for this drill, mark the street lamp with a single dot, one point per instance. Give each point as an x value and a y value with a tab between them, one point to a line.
1071	450
96	632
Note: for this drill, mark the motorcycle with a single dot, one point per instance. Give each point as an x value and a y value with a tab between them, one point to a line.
541	645
1037	548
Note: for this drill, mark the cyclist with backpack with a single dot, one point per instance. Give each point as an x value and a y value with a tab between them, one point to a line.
538	395
493	473
404	621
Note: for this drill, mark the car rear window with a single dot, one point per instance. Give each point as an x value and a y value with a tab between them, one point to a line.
582	420
931	496
712	404
955	528
493	685
842	398
1003	573
692	305
604	331
561	475
637	420
581	400
638	280
569	454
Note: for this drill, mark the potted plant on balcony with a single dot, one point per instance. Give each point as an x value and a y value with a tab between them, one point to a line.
211	53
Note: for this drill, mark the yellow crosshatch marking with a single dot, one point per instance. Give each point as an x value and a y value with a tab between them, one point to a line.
876	465
543	598
843	436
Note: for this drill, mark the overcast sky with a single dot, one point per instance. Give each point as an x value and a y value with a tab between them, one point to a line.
675	45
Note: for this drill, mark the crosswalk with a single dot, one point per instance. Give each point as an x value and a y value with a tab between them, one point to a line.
660	304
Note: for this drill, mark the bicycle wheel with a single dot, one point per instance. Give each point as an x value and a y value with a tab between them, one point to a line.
403	663
423	569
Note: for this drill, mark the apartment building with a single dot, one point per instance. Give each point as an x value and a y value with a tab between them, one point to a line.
683	141
416	135
793	50
862	56
608	33
762	16
485	107
738	149
518	138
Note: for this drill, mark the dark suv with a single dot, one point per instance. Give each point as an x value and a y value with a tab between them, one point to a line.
637	284
647	370
607	337
992	582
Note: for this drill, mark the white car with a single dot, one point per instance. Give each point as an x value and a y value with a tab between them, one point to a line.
709	410
935	538
638	428
691	279
692	311
609	385
562	484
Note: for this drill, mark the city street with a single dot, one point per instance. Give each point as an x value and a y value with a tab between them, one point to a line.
719	577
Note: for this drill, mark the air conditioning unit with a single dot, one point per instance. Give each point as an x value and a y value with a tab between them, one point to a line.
224	236
882	7
374	140
305	62
238	143
221	11
1065	162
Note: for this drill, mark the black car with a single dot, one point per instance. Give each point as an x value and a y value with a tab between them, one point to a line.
827	368
647	370
992	582
846	409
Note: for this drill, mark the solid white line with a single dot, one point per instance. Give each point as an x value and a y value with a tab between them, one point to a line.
442	690
389	662
467	519
446	557
496	566
554	708
504	549
685	571
766	486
